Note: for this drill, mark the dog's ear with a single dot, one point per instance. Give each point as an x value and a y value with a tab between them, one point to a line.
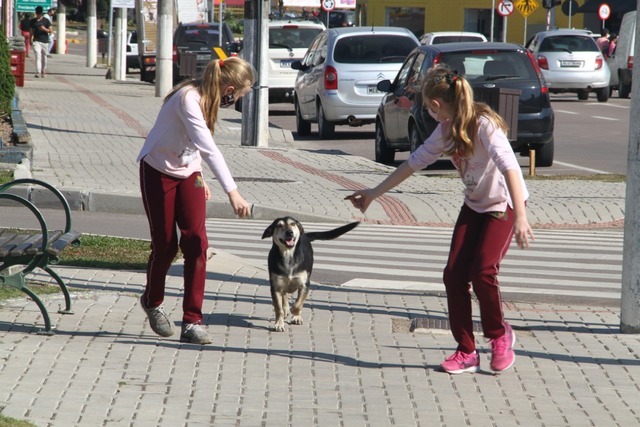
268	232
300	227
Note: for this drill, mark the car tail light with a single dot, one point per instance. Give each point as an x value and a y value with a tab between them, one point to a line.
543	63
599	62
437	59
543	85
630	62
330	78
174	54
290	27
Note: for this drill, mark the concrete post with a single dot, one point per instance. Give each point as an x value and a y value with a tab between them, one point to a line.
92	35
119	67
630	298
164	60
61	36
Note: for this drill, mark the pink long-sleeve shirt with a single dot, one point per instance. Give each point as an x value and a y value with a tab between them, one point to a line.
483	173
180	140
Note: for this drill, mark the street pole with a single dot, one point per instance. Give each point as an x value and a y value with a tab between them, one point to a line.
164	61
61	36
92	36
630	295
493	11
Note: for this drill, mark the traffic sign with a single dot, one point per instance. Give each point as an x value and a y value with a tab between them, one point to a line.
505	8
604	11
526	7
328	5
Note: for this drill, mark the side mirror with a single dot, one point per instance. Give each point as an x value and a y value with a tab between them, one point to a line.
384	86
234	47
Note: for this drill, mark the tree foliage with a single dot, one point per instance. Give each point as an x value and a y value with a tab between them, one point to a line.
7	79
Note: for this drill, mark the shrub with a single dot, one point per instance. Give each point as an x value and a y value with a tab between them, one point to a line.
7	79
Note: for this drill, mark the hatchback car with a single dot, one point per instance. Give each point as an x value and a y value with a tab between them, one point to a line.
451	37
338	76
288	42
203	42
402	122
571	62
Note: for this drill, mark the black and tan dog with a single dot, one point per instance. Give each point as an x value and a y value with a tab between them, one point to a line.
290	264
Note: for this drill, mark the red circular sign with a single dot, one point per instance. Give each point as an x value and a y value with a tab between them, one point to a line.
604	11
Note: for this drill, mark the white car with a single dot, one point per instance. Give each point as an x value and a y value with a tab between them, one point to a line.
451	37
571	61
288	42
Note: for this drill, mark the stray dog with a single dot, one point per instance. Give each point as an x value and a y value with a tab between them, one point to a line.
290	264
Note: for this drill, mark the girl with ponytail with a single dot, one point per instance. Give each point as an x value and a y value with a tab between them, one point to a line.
493	212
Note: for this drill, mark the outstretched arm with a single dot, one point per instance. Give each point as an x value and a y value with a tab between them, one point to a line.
361	199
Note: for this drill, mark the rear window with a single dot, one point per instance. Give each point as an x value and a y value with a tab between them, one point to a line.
568	43
373	49
200	37
491	65
456	39
292	37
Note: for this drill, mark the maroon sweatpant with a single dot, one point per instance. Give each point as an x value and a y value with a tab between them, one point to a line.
168	202
479	243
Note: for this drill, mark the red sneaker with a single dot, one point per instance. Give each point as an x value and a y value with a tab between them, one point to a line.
502	354
460	362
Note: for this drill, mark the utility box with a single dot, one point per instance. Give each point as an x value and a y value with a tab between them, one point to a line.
505	102
17	66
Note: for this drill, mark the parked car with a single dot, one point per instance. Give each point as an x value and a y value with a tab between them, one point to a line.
201	41
402	123
133	61
337	78
338	18
571	62
451	37
621	62
288	42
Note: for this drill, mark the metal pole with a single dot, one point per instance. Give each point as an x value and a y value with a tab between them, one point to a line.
110	37
92	36
164	60
630	294
249	103
493	9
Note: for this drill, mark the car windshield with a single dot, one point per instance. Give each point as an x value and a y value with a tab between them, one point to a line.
373	48
293	37
199	37
568	43
490	65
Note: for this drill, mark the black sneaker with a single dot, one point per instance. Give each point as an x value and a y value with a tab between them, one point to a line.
158	320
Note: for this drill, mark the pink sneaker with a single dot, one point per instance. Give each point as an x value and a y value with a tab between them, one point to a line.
502	354
460	362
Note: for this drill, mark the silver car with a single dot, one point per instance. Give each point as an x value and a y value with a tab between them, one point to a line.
571	61
338	76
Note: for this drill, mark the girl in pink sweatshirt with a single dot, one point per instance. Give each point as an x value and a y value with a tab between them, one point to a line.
473	135
174	192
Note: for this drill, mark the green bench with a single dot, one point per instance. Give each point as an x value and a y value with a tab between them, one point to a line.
22	251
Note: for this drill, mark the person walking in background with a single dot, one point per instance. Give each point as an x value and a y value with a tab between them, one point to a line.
40	30
603	41
25	30
49	16
492	213
174	192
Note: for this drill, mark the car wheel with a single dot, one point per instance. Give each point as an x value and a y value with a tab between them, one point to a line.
623	89
302	126
384	154
326	129
603	94
414	138
583	95
544	154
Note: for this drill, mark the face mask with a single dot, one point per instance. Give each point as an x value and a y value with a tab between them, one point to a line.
227	101
432	114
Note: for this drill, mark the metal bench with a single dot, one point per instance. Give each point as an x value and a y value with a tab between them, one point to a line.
22	251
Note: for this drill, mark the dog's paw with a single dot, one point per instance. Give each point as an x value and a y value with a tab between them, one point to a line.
296	320
278	327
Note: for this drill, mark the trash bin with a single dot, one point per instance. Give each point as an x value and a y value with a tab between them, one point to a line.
102	46
505	102
188	64
18	65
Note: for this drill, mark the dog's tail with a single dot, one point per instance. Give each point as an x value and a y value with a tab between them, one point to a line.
331	234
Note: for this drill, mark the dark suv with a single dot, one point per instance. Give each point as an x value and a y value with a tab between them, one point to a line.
338	18
494	70
197	43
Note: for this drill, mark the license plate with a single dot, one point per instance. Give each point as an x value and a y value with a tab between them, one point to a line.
373	90
286	63
572	64
203	57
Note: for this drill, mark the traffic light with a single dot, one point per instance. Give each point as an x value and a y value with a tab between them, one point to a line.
549	4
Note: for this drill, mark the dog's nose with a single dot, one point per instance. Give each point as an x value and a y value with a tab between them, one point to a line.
288	234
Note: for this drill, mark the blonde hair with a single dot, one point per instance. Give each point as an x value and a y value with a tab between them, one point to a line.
218	74
444	83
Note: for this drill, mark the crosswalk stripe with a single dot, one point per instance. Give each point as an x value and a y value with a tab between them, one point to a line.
581	263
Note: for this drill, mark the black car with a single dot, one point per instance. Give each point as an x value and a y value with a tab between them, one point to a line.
494	70
338	18
196	44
